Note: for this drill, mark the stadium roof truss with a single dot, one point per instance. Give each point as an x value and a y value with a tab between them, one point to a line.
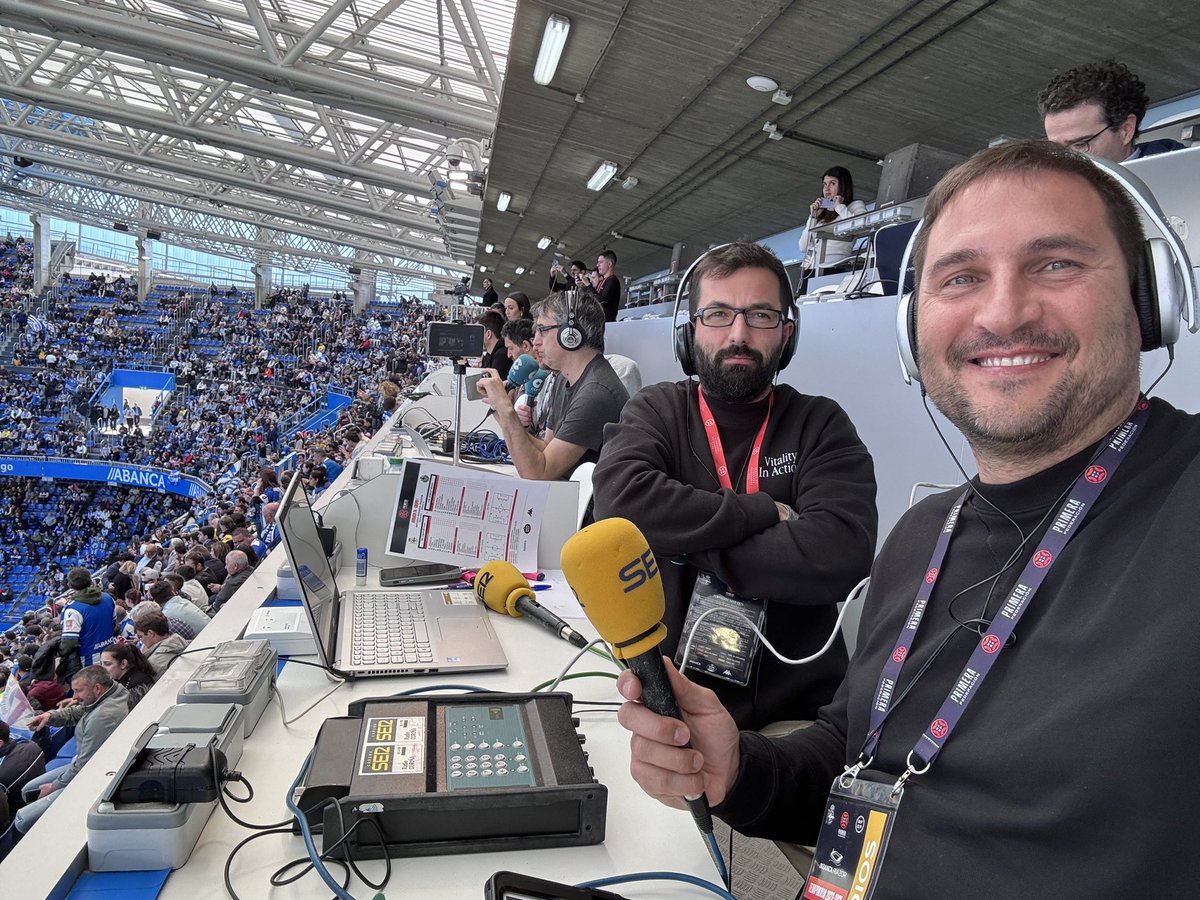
321	132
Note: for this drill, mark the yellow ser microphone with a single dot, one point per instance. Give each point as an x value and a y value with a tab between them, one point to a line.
503	589
612	571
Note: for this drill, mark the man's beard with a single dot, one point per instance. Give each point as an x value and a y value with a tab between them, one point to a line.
739	383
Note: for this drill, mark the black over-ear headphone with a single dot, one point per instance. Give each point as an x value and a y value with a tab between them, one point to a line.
570	337
685	331
1163	291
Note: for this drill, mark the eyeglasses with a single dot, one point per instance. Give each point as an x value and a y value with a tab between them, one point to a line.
542	329
1084	145
724	316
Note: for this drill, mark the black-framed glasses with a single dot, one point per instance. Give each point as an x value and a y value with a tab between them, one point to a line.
1084	145
542	329
724	316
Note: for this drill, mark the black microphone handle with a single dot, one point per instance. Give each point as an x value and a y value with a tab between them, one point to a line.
658	697
527	606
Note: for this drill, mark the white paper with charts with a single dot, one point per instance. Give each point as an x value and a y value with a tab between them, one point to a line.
466	517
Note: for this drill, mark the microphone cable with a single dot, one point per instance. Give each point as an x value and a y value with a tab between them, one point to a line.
553	683
855	592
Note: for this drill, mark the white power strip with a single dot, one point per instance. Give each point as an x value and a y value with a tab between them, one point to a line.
285	628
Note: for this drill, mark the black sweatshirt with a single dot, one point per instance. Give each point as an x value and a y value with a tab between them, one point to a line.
657	471
1071	772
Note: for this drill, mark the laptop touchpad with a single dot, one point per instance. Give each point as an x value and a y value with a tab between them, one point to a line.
457	629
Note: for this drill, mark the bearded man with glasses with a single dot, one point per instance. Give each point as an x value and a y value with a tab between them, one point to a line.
752	496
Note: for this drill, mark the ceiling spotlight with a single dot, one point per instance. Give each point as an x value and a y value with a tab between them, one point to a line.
630	183
489	248
461	262
508	284
602	176
503	200
483	268
544	241
554	38
520	270
762	83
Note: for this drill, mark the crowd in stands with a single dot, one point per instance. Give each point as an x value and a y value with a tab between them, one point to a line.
16	268
115	581
245	379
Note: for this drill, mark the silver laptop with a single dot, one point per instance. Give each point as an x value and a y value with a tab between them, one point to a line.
386	631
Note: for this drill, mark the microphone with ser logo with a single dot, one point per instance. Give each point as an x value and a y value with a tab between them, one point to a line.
611	569
503	589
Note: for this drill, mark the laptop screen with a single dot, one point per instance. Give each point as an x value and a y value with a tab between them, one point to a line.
309	564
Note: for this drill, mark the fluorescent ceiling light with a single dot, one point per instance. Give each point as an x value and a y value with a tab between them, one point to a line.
554	38
544	241
520	270
488	248
503	200
602	176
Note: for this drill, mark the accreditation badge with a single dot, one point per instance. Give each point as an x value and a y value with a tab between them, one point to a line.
854	835
724	644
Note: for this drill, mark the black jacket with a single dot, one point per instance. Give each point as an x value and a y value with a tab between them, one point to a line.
1058	763
20	762
657	471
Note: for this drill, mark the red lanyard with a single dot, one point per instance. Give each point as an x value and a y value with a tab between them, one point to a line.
718	451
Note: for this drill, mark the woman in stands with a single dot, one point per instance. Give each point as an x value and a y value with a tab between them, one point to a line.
516	306
126	665
836	202
266	491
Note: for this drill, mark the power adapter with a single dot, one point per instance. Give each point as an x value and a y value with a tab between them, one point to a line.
174	775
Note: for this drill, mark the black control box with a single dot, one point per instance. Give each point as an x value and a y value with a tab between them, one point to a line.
173	775
459	773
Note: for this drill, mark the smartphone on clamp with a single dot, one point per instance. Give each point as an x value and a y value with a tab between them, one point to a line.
433	573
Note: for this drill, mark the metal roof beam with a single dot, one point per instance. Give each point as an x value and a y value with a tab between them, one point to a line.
194	169
225	138
173	46
281	218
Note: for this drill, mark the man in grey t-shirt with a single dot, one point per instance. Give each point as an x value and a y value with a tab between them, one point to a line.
588	397
581	409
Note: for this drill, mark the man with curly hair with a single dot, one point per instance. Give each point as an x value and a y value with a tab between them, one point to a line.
1097	108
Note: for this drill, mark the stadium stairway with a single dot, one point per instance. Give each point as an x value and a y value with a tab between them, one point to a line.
316	421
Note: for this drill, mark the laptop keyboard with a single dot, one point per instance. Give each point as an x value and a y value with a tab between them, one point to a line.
389	629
